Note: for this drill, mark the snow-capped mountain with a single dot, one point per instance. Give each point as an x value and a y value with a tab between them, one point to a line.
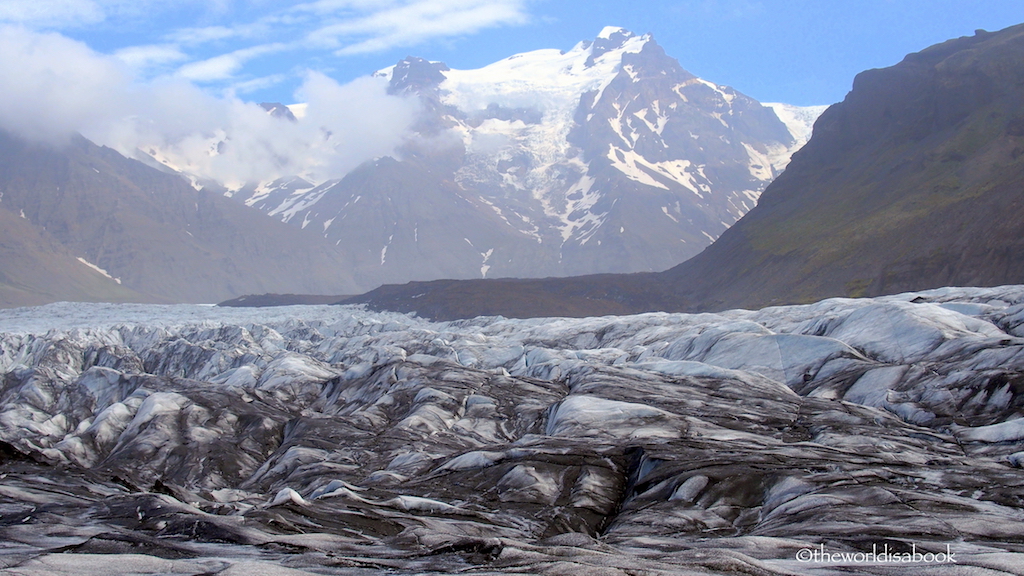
609	157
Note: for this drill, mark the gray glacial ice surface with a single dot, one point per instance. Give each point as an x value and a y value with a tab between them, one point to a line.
194	440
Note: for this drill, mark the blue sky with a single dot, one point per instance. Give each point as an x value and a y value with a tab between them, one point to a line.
796	51
174	80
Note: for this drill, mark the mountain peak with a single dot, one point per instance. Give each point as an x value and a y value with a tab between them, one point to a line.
614	38
413	74
278	110
608	32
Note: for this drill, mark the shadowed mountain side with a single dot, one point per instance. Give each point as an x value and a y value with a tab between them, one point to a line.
36	269
151	230
914	181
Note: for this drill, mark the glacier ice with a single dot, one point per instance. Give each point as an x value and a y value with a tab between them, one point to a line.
328	439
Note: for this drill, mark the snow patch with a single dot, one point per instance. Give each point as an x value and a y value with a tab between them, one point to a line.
484	267
799	120
384	250
93	266
608	31
637	168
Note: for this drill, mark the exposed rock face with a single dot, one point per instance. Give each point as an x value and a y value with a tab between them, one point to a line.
85	223
329	438
278	110
609	157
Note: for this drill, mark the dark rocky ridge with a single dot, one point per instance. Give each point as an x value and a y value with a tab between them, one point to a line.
414	74
913	181
278	110
264	300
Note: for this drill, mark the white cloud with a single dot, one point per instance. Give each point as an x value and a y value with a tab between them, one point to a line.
217	68
362	119
54	87
371	27
345	27
225	66
217	33
51	12
58	14
221	52
202	35
234	142
146	96
150	56
334	6
256	84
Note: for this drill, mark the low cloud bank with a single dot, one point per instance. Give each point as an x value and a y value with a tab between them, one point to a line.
52	87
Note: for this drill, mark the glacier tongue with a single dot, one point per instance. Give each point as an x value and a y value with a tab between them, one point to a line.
332	439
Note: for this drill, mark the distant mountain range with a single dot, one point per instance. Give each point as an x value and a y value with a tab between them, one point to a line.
914	181
606	158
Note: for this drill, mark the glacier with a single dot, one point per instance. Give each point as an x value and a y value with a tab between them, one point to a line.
141	439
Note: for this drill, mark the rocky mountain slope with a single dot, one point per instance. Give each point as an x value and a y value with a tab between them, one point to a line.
330	440
912	182
35	268
609	157
85	223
